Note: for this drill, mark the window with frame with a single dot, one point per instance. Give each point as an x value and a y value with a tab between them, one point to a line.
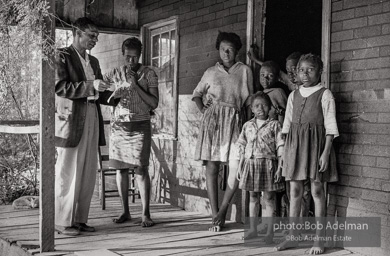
160	41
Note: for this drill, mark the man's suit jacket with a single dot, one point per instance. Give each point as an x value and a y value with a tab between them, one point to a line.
72	90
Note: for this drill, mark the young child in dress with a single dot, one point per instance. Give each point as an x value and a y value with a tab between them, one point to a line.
310	125
291	79
269	75
260	146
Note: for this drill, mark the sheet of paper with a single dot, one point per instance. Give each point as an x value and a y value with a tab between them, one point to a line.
117	88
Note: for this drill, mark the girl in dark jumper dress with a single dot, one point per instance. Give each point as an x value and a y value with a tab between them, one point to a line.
310	125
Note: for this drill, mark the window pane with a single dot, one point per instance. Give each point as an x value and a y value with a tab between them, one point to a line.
172	56
173	42
155	63
165	62
155	46
165	44
162	56
172	67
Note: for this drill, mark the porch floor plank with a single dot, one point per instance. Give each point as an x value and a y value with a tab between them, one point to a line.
176	232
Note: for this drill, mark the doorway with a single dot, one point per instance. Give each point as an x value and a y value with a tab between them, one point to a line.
281	27
292	26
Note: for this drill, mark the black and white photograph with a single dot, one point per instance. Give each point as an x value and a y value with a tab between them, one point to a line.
194	127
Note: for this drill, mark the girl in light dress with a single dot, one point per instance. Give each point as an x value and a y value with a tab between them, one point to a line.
222	96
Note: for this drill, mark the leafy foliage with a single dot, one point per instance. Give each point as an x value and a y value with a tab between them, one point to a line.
23	45
17	167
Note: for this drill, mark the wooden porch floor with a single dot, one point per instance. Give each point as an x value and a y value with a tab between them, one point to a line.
176	232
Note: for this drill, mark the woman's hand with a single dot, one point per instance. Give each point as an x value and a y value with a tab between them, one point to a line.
131	77
208	104
238	176
324	161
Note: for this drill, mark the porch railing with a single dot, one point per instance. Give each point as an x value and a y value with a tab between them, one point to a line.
46	221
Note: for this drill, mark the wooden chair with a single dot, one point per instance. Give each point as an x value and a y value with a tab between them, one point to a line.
107	171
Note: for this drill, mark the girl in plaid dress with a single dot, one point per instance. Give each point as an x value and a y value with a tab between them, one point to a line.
260	146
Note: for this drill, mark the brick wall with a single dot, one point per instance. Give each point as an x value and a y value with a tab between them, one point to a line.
360	80
199	25
176	177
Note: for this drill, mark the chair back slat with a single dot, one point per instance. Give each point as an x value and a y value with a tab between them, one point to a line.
105	170
103	158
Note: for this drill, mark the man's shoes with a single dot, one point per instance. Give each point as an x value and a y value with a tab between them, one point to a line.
84	227
68	231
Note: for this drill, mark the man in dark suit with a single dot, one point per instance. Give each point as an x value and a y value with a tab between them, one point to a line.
79	128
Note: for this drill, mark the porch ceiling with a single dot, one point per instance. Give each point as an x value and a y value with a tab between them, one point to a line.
109	15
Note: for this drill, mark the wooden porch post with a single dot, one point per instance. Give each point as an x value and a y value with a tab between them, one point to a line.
325	54
47	148
249	42
249	28
325	48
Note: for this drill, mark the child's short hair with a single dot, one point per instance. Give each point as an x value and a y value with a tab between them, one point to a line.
229	37
272	65
294	56
261	95
132	43
312	58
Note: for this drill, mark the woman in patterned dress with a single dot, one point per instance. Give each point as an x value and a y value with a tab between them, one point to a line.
130	140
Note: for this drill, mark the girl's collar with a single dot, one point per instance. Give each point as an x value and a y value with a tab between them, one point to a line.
311	87
262	125
229	70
